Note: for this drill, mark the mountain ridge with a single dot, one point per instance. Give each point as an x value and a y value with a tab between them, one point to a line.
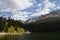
53	14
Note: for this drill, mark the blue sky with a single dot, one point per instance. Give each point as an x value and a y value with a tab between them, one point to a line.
25	9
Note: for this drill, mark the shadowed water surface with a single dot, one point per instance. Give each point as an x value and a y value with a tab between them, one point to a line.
35	36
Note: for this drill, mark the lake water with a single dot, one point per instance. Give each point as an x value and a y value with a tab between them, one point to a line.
35	36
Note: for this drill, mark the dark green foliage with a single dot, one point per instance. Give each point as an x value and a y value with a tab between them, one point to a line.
46	25
5	24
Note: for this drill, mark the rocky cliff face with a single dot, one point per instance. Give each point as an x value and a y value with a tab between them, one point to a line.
54	14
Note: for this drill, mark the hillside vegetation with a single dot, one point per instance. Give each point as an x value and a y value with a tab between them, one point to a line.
10	25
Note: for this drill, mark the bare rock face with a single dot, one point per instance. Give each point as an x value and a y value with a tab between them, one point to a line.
54	14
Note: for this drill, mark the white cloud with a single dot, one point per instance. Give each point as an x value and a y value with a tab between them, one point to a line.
39	4
5	10
58	7
41	12
4	7
46	8
20	16
48	4
24	15
17	4
14	5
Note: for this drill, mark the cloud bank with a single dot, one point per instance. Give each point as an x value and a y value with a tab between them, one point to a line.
17	4
31	8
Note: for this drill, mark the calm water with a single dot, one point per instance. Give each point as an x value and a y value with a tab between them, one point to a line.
35	36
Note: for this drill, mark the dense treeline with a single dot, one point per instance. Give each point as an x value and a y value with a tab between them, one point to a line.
44	27
47	25
6	23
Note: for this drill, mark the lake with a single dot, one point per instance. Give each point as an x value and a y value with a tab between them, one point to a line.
35	36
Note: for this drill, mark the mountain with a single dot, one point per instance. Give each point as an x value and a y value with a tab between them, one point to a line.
44	23
52	15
